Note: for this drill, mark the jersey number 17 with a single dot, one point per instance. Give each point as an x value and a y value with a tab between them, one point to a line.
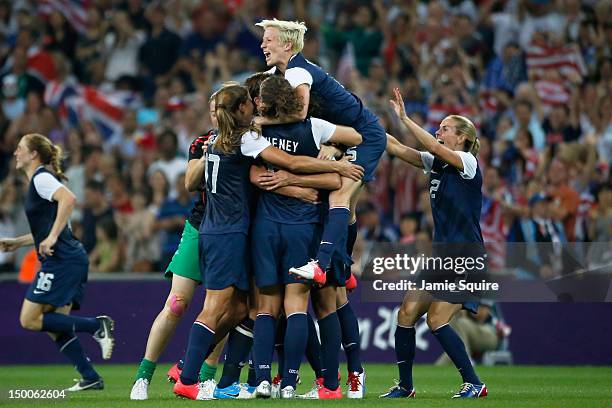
216	161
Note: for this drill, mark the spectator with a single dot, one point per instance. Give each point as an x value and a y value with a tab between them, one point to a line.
106	255
169	163
370	226
409	227
565	199
95	209
171	220
160	50
142	246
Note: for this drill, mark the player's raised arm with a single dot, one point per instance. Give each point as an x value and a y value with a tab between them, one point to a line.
432	144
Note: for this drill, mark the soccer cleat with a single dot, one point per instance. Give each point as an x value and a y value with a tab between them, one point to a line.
287	392
197	391
140	390
207	390
320	392
356	384
351	283
398	392
229	392
276	386
174	373
311	271
86	385
246	391
104	336
472	391
263	390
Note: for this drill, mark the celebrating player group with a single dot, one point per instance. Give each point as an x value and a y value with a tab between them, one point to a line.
279	179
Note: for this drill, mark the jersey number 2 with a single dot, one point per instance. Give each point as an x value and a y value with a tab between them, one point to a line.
216	160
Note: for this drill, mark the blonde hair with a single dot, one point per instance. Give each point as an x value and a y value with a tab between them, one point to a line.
291	32
49	153
465	127
227	102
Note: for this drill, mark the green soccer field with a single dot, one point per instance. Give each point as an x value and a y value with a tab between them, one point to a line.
517	386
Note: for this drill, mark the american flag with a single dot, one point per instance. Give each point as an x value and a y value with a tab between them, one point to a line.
494	233
553	70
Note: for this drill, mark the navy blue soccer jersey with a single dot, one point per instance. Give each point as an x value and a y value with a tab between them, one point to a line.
337	104
456	198
299	139
41	211
228	186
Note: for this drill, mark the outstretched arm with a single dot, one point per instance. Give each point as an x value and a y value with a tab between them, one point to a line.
11	244
403	152
427	140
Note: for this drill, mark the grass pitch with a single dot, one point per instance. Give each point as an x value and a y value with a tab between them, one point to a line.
515	386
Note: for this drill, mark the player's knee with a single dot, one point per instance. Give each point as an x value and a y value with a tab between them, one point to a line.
30	323
435	320
176	305
407	315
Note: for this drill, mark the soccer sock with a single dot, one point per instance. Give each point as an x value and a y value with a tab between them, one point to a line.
252	377
454	347
207	372
61	323
351	238
239	345
263	346
279	343
330	348
404	352
146	369
335	229
296	338
200	338
313	348
350	337
69	345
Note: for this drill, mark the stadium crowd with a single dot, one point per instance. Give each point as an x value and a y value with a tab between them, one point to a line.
123	87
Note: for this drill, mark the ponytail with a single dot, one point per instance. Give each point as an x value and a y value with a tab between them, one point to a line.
227	102
56	162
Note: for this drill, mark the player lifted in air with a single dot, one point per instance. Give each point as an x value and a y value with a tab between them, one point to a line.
282	44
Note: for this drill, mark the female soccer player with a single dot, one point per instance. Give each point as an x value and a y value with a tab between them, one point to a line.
455	194
223	232
58	287
184	271
286	233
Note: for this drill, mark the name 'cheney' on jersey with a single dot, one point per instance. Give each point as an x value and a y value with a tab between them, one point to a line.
304	139
228	187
